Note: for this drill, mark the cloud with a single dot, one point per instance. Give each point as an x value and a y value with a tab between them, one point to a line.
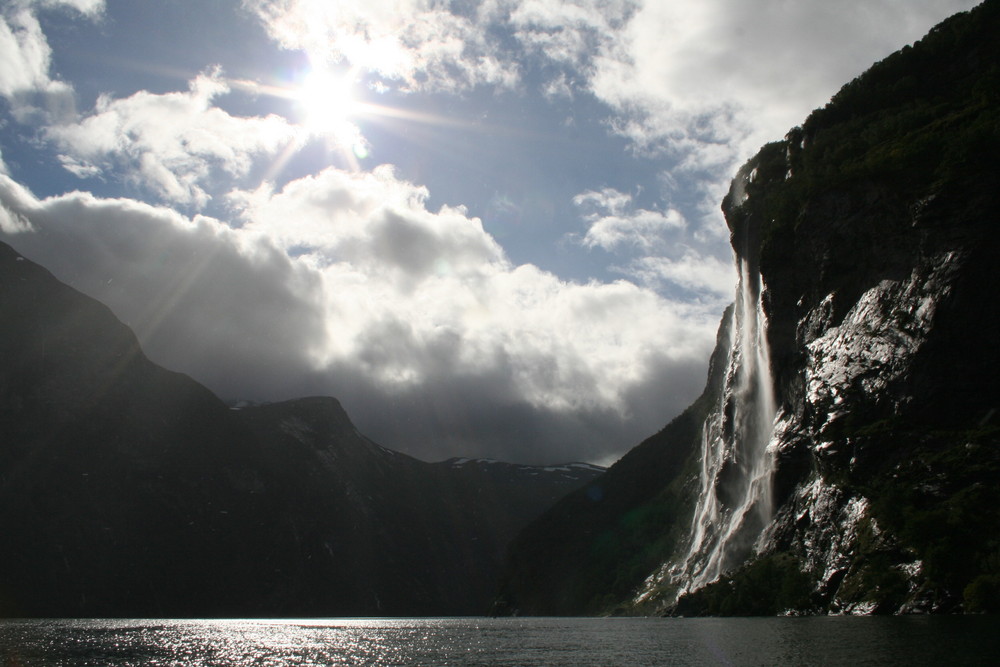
569	33
91	8
419	44
346	284
704	275
25	58
707	81
171	143
234	312
698	85
657	254
371	220
409	283
24	54
614	221
717	78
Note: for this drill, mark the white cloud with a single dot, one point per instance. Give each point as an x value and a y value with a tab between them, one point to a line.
171	143
706	80
714	79
26	57
90	8
371	220
569	33
346	284
701	274
235	312
615	222
420	44
699	83
659	257
24	54
389	260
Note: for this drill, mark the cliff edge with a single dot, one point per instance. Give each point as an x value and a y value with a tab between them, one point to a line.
849	459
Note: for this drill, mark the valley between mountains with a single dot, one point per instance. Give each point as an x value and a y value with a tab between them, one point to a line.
844	457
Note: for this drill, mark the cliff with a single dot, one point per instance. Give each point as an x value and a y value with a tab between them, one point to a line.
851	460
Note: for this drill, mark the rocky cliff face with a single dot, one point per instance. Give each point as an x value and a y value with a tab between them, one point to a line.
129	490
867	242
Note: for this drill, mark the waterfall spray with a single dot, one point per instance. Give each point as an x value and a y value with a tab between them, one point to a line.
734	501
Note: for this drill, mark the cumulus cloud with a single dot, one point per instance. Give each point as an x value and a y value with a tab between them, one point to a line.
25	59
707	79
658	257
614	221
347	284
372	220
24	54
436	282
700	84
419	44
569	33
171	143
90	8
701	274
234	312
717	78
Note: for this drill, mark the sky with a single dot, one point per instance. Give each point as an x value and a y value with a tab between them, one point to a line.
490	228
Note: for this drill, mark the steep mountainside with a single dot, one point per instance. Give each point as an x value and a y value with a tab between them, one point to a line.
404	537
126	489
596	545
848	459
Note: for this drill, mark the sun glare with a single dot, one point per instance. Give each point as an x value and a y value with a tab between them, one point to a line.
327	100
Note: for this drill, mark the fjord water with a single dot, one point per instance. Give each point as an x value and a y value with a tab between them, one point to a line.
854	641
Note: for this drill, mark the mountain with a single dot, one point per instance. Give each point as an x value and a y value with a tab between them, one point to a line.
845	456
130	490
405	537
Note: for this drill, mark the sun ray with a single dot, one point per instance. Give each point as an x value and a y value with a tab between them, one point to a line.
327	103
326	99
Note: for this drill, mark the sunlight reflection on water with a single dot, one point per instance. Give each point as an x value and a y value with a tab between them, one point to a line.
501	642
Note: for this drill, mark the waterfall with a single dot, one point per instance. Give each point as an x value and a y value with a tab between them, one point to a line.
734	500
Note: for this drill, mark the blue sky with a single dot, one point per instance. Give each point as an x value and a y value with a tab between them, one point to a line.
490	228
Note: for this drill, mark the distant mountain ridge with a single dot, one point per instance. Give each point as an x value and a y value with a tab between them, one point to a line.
568	471
129	490
867	242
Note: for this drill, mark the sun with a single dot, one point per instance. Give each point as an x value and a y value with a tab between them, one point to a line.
327	100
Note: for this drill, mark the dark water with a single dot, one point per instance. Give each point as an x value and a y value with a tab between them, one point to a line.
536	641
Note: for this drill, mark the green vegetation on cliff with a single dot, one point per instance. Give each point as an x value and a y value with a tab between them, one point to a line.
918	120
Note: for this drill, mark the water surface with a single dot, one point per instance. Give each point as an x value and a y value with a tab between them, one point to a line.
516	641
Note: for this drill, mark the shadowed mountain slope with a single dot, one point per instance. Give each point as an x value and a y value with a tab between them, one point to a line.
130	490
